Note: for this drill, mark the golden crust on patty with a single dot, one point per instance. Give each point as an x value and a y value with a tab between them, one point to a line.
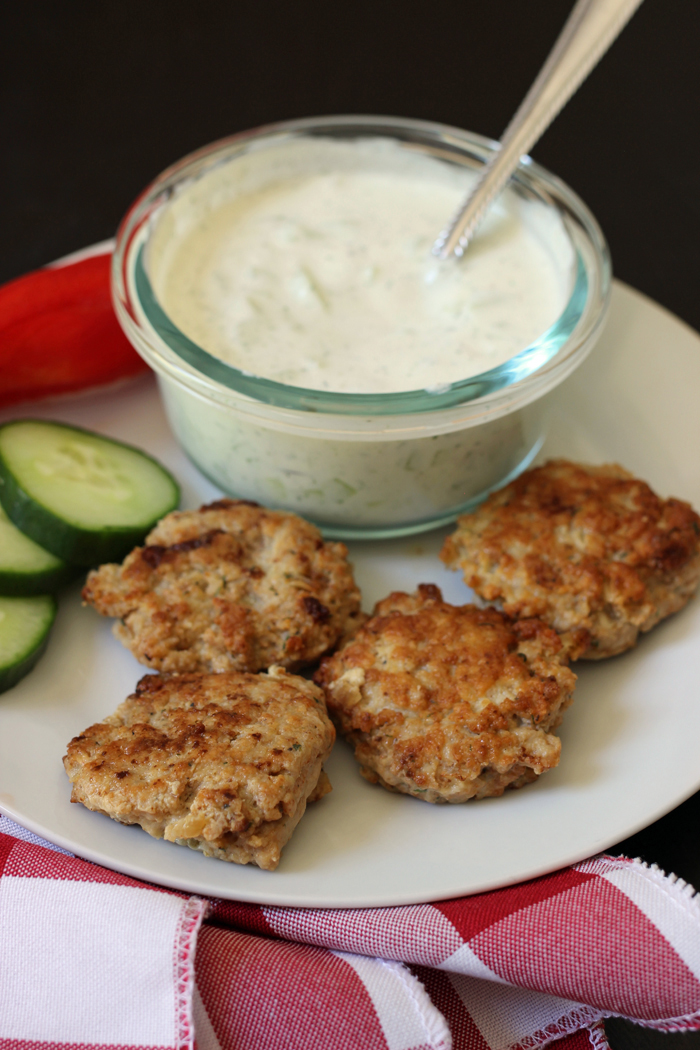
590	550
224	763
449	703
229	587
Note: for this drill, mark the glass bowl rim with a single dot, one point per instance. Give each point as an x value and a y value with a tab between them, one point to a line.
592	279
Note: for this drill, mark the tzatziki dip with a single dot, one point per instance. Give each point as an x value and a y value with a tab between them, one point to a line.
314	355
311	265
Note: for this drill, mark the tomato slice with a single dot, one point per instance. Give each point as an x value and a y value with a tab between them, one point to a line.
59	333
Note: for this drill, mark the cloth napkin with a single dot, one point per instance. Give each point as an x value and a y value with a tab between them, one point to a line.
91	959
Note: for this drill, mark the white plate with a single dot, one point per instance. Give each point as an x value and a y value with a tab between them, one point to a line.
629	742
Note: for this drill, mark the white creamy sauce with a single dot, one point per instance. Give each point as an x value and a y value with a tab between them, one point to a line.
310	264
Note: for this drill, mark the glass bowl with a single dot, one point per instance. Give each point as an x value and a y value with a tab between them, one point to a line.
360	465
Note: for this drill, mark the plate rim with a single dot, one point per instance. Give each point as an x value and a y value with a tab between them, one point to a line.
278	898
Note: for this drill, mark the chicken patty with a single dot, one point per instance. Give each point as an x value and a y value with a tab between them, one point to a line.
449	703
592	551
229	587
223	763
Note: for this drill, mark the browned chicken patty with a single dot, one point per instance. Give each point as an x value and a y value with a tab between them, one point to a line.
590	550
449	703
224	763
229	587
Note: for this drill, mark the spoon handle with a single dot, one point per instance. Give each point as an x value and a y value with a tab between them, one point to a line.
588	33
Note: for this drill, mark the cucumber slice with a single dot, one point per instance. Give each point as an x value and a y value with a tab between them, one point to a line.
85	498
25	567
24	632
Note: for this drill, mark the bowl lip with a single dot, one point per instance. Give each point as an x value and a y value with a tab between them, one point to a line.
580	321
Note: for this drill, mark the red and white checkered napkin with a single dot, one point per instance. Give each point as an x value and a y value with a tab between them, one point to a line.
93	959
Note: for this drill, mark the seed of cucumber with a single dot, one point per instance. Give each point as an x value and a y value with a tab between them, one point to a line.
24	632
25	567
85	498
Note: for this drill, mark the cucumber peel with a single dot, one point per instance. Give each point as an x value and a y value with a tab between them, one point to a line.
24	633
25	567
85	498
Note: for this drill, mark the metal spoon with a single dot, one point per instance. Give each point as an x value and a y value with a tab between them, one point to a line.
589	31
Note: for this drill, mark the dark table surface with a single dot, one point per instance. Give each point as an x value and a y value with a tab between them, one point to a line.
97	98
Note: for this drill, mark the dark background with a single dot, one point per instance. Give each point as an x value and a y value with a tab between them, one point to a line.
97	97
